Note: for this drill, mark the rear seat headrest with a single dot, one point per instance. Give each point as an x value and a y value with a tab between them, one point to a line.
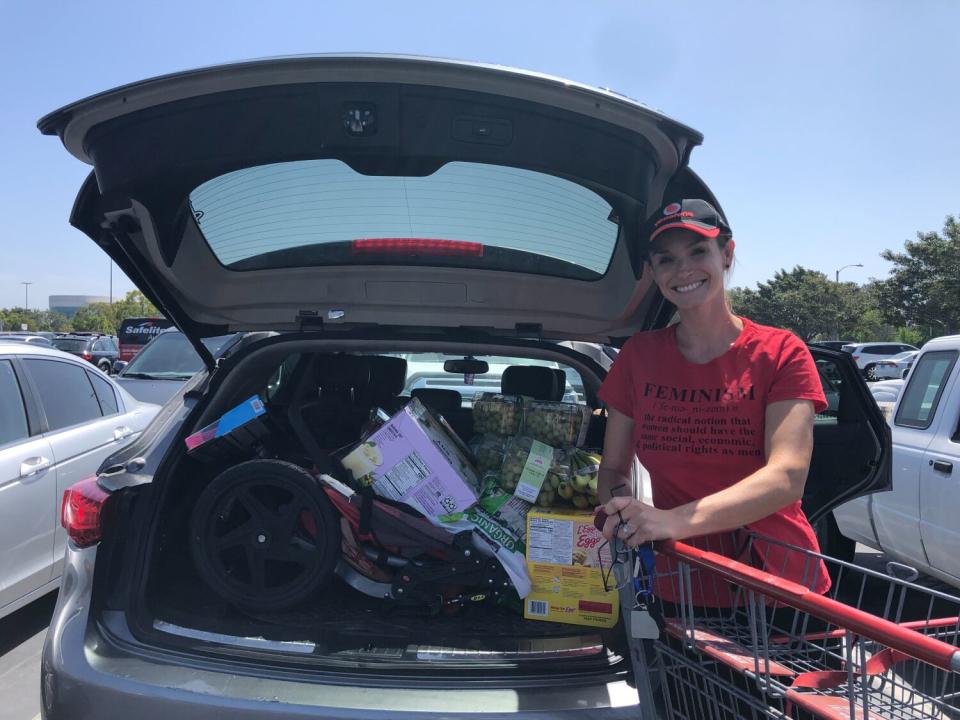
342	371
438	399
538	382
388	376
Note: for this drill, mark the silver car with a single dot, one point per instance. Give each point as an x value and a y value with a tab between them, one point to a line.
59	418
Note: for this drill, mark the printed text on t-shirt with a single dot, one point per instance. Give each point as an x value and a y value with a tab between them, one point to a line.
678	425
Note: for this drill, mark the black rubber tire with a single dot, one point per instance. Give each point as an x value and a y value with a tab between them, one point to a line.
105	366
870	372
264	535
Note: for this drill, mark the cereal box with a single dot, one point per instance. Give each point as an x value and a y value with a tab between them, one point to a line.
563	561
412	459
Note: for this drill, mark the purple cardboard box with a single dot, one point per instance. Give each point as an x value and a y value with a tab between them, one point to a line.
411	459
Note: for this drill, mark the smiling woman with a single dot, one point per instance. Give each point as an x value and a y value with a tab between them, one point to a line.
747	466
322	212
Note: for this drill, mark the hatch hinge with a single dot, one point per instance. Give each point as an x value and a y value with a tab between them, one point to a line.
309	321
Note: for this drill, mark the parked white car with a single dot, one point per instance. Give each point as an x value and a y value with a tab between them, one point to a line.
896	367
916	522
60	417
867	355
886	392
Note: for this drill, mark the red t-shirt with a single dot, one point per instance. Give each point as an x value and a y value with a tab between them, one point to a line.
699	428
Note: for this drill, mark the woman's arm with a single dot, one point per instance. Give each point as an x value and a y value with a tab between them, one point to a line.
788	442
618	454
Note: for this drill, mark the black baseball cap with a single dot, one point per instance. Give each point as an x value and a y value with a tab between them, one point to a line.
691	214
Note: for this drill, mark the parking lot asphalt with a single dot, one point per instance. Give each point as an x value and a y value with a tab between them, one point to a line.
21	641
22	634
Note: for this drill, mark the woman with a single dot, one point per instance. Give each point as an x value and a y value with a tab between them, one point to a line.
719	410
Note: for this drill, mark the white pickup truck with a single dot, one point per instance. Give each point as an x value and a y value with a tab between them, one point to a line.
918	521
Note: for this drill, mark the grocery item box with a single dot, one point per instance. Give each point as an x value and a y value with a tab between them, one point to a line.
412	459
563	561
232	436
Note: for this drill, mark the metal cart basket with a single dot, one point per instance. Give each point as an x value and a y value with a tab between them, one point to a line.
875	645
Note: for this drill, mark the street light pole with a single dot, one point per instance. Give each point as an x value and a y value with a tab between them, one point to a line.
836	274
836	280
26	294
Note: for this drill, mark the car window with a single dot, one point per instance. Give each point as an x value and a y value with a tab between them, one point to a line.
13	416
105	394
65	392
322	212
99	345
70	345
922	395
831	380
282	376
170	355
425	370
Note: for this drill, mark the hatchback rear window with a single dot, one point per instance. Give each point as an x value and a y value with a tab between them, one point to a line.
70	345
322	212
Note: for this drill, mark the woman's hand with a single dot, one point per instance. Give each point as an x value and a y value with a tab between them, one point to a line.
642	522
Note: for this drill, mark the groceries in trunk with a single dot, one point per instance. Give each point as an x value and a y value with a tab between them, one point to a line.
432	504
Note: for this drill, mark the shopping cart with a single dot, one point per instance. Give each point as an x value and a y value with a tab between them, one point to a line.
875	645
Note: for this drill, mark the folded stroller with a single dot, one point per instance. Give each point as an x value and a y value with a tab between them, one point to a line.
268	533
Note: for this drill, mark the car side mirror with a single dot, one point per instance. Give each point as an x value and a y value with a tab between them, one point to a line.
118	366
466	366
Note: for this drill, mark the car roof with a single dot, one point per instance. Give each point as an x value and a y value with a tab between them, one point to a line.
15	347
947	342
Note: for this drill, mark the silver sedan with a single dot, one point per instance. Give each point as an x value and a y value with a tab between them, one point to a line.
60	418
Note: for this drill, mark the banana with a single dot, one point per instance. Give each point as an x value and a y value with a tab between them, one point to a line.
581	502
565	490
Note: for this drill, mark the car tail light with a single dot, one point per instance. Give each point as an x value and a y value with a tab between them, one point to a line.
856	357
417	246
86	355
81	511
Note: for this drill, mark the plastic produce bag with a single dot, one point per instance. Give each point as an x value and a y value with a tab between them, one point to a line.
497	414
533	470
488	452
506	508
495	539
556	423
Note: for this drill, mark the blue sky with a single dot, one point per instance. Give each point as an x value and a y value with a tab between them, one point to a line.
831	127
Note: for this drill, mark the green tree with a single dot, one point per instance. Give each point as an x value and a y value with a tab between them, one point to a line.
96	317
35	320
923	290
50	321
134	304
802	300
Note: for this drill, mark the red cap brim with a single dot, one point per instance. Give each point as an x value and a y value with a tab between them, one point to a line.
706	232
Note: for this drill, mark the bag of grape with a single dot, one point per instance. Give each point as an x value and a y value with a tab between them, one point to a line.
556	423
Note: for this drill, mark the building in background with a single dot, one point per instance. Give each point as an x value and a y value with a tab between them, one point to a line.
69	304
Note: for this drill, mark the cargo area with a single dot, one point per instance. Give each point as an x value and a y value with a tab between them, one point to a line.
309	406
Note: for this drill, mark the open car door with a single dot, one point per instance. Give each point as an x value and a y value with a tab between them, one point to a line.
852	441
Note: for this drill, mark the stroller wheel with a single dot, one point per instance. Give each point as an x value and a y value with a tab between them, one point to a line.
264	535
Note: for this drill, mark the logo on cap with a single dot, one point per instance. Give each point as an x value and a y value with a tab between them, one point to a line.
671	209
